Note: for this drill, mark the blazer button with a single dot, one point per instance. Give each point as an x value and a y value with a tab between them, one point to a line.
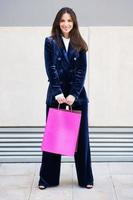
59	58
75	58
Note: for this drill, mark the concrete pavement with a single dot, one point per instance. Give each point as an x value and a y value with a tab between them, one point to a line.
113	181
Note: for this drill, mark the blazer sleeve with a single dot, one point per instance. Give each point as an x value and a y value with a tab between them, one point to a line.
51	68
79	78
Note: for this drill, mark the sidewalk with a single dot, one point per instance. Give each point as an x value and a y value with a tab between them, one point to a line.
113	181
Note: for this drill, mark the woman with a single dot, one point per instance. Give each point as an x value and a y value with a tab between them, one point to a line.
65	61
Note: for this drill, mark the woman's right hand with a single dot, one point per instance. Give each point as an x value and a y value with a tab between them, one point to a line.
61	100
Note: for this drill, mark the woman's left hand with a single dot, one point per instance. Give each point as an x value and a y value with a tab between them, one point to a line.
70	99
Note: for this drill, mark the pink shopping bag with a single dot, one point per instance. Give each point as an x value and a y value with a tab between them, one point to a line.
61	132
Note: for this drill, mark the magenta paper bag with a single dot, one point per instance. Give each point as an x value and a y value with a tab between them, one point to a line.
61	132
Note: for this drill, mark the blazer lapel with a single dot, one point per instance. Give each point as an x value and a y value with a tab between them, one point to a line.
64	52
65	55
71	52
68	55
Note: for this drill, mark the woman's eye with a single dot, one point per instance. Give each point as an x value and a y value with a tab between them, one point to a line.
67	20
62	20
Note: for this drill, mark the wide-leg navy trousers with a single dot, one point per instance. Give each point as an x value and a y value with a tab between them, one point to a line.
50	166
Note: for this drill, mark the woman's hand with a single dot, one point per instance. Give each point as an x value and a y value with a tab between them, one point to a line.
70	99
61	100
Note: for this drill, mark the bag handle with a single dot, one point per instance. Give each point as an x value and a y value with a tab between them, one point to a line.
67	107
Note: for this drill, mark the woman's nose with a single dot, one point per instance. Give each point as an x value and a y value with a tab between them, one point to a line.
66	23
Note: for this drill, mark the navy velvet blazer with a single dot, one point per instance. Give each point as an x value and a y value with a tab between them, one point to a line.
65	70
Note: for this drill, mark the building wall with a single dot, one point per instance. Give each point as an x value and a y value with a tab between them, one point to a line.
24	82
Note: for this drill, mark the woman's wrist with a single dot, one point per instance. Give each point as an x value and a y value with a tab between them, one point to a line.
59	96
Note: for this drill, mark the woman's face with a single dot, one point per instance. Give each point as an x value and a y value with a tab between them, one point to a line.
66	24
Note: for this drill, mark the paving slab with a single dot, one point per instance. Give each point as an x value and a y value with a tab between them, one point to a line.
100	169
14	193
123	186
103	187
112	181
61	192
15	182
52	193
18	169
103	190
121	168
37	170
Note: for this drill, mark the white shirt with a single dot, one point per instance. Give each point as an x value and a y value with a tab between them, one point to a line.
66	42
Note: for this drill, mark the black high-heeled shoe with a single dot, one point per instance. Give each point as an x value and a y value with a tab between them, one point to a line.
42	187
89	186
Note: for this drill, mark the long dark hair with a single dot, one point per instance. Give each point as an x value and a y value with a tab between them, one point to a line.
76	39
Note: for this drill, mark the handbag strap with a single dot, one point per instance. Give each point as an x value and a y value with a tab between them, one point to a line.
67	107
